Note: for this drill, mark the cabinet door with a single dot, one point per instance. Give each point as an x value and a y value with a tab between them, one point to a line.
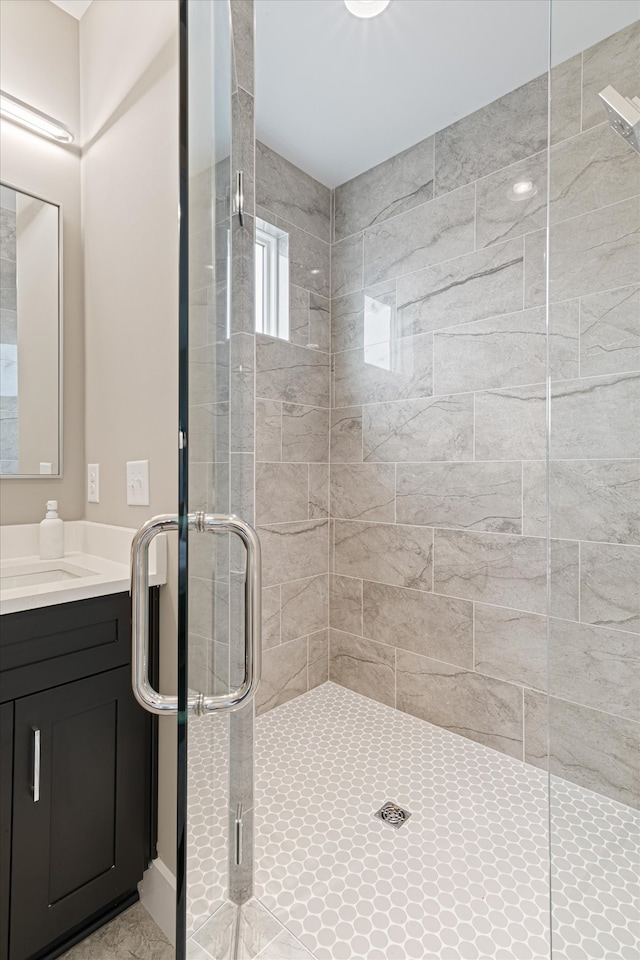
78	826
6	799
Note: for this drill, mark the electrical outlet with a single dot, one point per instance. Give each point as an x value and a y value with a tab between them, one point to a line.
93	482
138	483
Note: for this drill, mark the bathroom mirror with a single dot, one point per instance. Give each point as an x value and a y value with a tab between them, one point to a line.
30	335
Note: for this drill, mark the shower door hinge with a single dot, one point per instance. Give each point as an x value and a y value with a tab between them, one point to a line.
239	197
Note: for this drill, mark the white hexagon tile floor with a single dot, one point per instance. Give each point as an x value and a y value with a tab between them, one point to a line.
465	878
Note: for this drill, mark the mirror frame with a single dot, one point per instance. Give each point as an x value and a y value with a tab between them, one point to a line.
59	472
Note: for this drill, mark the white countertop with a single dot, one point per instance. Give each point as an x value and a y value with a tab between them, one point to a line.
99	548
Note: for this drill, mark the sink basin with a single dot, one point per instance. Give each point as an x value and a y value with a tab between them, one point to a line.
42	571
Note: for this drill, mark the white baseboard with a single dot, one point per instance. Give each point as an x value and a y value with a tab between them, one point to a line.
157	891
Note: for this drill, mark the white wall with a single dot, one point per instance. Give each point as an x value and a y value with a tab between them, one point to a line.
129	121
34	34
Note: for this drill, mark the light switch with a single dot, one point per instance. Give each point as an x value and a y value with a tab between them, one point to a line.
93	482
138	483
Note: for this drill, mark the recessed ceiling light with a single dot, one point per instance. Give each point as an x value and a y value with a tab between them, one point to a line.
366	8
523	190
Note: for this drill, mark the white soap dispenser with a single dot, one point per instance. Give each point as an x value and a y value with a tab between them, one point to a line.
51	533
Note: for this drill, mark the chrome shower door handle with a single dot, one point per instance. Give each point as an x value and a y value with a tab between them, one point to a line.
160	703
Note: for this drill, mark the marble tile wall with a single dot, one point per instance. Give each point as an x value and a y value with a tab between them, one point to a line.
438	430
293	402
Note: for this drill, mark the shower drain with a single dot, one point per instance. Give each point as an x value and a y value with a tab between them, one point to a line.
393	814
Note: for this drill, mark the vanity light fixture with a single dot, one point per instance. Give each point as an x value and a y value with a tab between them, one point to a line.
366	8
21	113
523	190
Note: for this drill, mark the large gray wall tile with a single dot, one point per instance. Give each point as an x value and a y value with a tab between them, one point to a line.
345	604
268	430
288	372
565	97
610	332
282	492
509	129
320	322
480	708
436	231
590	171
424	623
506	351
506	570
293	550
355	318
346	435
502	214
347	321
535	269
610	585
597	667
347	266
309	260
284	675
596	251
596	417
305	433
318	490
473	496
399	369
511	645
363	666
612	61
415	430
271	617
596	750
363	491
384	552
304	607
589	499
318	653
289	192
511	423
392	187
536	711
482	284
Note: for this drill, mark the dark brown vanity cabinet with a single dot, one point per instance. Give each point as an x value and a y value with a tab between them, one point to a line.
78	774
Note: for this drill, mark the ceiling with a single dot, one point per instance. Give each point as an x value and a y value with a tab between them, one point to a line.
337	95
75	7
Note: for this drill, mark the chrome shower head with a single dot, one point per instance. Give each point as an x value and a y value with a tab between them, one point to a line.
623	114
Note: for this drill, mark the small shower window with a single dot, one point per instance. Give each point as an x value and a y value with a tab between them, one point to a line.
272	280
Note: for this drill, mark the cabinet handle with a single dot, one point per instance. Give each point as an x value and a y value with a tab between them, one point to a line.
36	764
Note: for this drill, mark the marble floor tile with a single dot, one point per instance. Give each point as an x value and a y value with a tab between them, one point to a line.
132	935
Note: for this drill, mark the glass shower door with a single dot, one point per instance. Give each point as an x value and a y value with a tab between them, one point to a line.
593	489
220	573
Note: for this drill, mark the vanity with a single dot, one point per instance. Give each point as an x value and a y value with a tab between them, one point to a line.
78	754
